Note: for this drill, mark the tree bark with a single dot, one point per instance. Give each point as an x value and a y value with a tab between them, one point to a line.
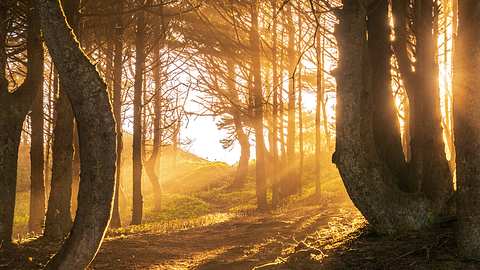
96	128
275	125
15	107
318	110
261	188
242	137
242	169
151	166
137	210
117	110
290	185
386	125
429	163
428	168
369	182
37	185
467	128
59	218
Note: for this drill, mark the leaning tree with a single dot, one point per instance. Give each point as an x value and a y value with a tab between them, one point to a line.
88	96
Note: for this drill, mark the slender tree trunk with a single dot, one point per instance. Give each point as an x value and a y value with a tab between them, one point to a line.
242	169
467	128
261	188
117	110
151	166
318	110
137	210
59	218
275	89
242	137
291	180
300	103
37	187
15	107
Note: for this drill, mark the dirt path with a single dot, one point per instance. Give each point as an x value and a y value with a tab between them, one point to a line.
240	243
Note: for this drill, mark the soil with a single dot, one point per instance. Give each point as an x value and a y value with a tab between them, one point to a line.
301	238
243	242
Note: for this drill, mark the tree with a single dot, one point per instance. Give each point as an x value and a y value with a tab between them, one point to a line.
59	218
137	210
467	127
290	185
37	178
117	108
88	95
15	106
370	182
261	189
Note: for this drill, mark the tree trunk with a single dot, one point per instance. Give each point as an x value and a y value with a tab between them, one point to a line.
151	166
117	110
300	104
386	126
467	128
59	218
243	140
290	185
242	169
318	109
15	107
275	89
429	164
367	178
428	167
96	128
261	188
37	186
137	210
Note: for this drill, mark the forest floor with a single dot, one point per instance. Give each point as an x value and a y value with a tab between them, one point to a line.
217	241
205	225
330	236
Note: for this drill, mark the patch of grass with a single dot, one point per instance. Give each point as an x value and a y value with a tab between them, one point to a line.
171	225
175	206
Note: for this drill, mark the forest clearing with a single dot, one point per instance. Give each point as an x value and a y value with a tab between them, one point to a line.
228	134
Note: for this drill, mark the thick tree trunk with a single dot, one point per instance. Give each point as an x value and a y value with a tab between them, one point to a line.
467	128
96	127
59	218
261	187
137	210
117	110
37	185
15	107
368	180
